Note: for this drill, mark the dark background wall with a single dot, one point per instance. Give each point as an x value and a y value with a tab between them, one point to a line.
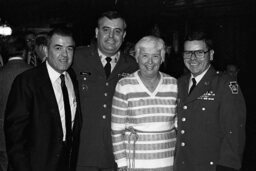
231	22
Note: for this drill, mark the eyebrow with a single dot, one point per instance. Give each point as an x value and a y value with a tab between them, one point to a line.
62	45
118	28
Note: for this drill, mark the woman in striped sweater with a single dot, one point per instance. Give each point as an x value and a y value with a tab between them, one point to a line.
144	113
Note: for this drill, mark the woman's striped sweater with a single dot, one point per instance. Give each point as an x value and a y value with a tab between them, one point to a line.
143	123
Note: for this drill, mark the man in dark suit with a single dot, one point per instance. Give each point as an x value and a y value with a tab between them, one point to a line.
42	113
211	113
15	48
98	68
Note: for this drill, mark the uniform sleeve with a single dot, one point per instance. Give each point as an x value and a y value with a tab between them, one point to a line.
118	120
232	120
16	125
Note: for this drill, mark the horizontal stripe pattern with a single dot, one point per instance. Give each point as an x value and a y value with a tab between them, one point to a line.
154	155
153	115
169	168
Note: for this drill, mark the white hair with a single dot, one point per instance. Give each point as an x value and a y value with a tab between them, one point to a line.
151	42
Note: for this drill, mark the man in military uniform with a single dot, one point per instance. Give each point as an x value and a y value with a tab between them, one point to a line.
98	68
211	113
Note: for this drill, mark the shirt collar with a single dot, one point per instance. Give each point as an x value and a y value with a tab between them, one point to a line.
15	58
53	74
199	77
115	57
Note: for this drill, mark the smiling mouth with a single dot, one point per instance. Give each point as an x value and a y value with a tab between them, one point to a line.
150	67
110	41
64	61
193	64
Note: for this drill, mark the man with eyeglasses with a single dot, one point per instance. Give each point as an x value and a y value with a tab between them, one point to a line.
211	113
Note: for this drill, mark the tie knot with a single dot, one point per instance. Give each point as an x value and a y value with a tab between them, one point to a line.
62	78
194	81
108	59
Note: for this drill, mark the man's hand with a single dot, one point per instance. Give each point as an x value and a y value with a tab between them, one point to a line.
122	168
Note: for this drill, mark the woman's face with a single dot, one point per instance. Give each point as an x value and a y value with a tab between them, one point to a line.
149	61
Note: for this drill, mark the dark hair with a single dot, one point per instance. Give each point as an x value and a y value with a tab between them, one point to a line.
200	35
41	40
112	15
28	32
15	45
62	31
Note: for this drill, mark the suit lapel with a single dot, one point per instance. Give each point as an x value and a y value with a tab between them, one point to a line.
78	118
183	87
46	89
95	61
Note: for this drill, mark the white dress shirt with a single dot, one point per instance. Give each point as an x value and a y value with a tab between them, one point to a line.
15	58
113	62
197	78
56	84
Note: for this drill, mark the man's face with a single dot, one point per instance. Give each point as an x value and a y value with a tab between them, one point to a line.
110	35
60	52
149	61
232	70
195	64
30	40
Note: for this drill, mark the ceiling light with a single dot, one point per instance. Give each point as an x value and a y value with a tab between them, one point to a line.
5	30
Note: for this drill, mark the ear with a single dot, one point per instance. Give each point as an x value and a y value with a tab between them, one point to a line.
162	59
44	49
124	35
162	53
96	32
137	53
211	54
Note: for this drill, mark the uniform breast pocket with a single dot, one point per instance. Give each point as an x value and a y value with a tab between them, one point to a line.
85	81
89	83
210	111
210	114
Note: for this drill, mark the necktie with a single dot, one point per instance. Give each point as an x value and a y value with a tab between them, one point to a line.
193	85
108	66
33	61
67	110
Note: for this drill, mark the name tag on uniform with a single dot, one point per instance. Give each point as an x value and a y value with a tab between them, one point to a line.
84	76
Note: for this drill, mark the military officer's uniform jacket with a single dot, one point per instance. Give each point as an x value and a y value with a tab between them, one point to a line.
96	93
211	124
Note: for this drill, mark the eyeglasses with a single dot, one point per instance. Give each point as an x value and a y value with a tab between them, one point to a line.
199	54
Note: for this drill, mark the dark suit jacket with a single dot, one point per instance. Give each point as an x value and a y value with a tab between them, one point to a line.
7	74
96	94
211	124
32	123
